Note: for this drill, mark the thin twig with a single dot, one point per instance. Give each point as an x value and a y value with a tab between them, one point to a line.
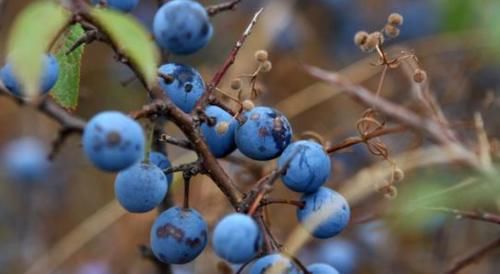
217	8
351	141
176	142
473	256
475	215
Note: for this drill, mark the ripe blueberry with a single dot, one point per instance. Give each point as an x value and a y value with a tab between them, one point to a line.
327	208
160	160
309	168
264	134
319	268
339	253
268	263
25	160
121	5
182	26
178	235
220	142
50	73
141	187
113	141
185	86
236	238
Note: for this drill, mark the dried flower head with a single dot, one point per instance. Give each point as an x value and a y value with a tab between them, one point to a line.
236	84
398	174
266	66
419	75
360	38
391	31
395	19
247	105
261	56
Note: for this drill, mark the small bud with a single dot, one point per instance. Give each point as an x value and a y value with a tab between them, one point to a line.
360	38
261	56
266	66
391	31
391	192
398	174
419	75
222	128
395	19
236	84
248	105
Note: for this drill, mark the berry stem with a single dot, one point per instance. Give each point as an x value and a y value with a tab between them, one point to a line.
187	180
150	129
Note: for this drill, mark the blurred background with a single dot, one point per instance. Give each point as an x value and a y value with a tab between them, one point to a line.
70	222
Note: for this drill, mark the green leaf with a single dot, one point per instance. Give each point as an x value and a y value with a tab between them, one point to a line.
30	37
67	88
132	39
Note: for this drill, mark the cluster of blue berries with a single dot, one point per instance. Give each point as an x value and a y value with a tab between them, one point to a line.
114	142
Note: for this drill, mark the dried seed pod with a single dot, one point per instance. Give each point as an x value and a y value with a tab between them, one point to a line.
374	39
248	105
391	31
360	38
391	192
419	75
266	66
398	174
236	84
395	19
261	56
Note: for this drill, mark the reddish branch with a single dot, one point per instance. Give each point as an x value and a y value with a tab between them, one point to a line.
474	215
356	140
473	256
207	96
215	9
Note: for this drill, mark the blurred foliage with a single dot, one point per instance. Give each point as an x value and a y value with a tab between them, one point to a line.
29	39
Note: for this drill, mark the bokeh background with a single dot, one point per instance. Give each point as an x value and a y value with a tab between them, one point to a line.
70	223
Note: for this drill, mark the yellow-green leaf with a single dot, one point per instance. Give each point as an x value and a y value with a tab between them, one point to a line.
32	33
67	88
132	39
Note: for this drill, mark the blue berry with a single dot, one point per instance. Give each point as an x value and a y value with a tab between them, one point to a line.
319	268
220	140
160	160
178	235
186	88
121	5
113	141
236	238
309	168
182	26
141	187
327	207
50	73
25	160
264	135
276	261
340	254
